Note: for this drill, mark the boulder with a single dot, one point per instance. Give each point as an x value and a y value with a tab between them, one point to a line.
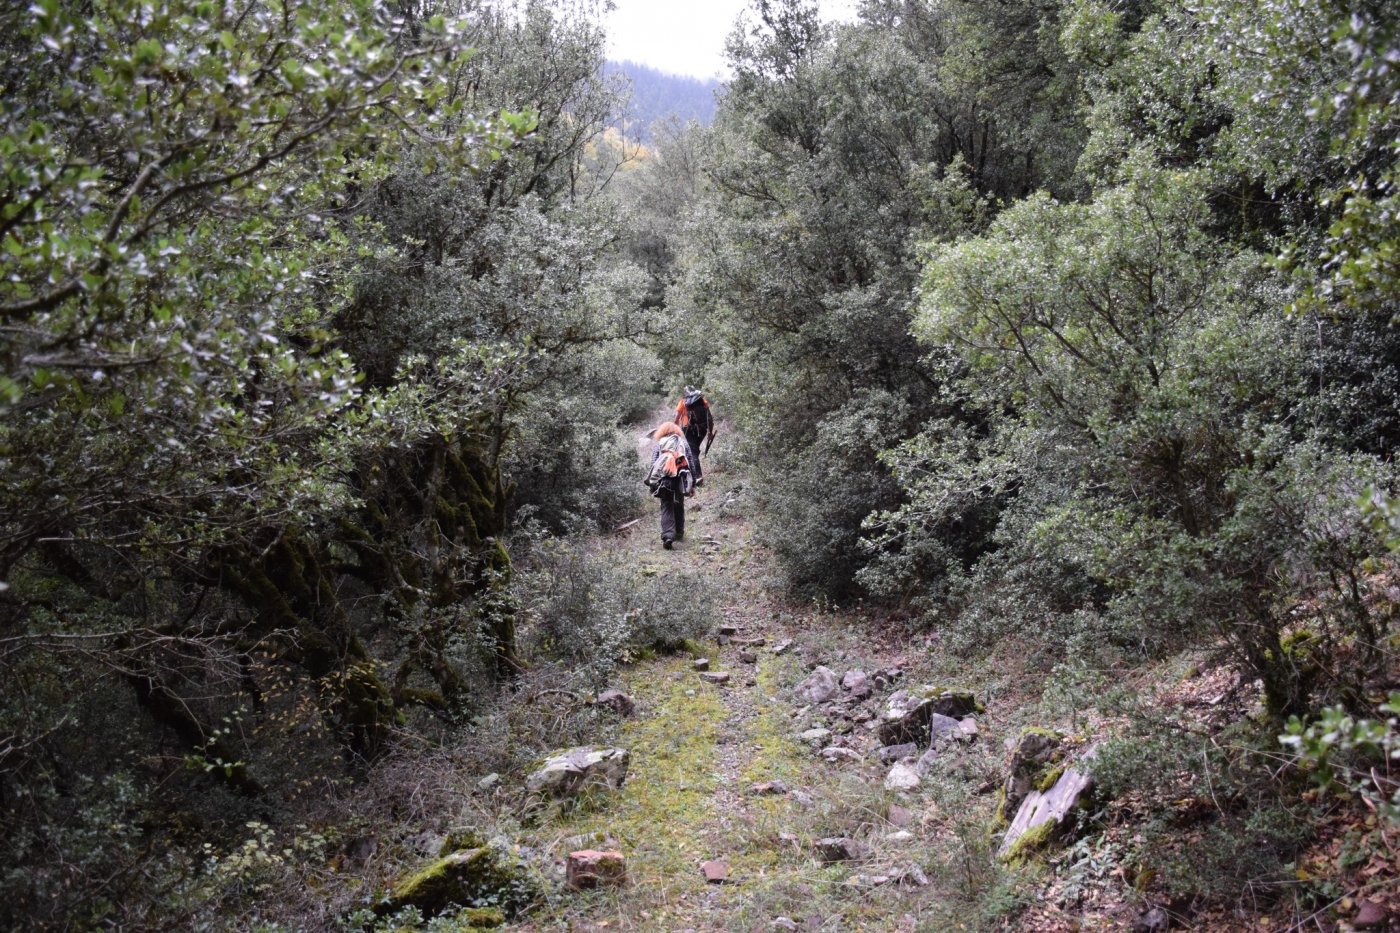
473	876
856	683
838	849
1044	816
926	761
592	868
968	729
908	713
617	701
903	777
819	686
816	736
570	772
700	664
715	677
747	656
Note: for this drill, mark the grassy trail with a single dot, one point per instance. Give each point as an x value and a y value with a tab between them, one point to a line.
697	748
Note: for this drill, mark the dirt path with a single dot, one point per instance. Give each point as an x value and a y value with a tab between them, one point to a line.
699	748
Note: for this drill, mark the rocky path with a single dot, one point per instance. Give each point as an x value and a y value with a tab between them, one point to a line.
756	801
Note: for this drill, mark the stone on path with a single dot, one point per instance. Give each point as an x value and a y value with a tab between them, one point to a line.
592	868
856	683
899	835
890	753
715	677
716	871
834	753
747	656
815	736
819	685
838	849
783	646
618	702
701	664
569	772
902	777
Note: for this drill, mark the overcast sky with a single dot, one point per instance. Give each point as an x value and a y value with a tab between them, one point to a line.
685	36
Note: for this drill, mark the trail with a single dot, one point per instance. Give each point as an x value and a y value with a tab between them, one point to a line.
699	748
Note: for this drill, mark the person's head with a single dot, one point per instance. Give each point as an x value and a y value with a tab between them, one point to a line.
667	429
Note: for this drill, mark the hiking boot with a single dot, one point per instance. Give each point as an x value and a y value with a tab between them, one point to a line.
666	543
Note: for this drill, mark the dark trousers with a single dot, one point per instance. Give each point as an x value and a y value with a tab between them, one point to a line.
672	515
695	451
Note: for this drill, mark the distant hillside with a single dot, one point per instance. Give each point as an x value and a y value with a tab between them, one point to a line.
657	95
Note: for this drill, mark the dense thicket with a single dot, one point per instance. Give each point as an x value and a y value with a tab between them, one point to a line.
1148	377
293	299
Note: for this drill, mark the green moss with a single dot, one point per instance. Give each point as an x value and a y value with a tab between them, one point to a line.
1049	777
1000	820
1030	842
459	840
469	878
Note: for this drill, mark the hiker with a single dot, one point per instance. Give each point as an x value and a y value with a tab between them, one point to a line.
693	416
670	480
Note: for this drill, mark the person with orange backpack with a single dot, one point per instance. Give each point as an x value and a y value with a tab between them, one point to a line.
694	418
670	480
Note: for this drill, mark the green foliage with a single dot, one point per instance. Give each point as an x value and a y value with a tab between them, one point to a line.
588	610
1342	753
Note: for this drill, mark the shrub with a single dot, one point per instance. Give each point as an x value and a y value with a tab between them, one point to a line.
592	611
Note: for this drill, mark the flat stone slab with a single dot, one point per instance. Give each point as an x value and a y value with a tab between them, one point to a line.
715	677
716	871
700	664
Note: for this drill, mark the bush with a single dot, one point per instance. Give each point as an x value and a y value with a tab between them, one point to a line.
590	610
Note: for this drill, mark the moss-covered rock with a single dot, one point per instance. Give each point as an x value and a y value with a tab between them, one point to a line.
482	877
1038	757
1047	813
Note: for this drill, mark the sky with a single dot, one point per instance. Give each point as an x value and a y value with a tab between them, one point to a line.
685	36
